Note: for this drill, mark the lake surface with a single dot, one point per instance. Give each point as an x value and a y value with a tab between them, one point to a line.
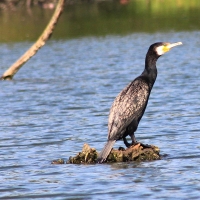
60	100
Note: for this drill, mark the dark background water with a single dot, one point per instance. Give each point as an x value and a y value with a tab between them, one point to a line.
61	98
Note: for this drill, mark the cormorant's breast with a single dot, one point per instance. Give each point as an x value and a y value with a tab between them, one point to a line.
129	105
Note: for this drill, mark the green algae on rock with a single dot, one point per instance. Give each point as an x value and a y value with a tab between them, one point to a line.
134	153
87	156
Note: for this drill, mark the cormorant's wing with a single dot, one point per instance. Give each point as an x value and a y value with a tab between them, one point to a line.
127	106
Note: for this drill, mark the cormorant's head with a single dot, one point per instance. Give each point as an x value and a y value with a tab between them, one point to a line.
162	47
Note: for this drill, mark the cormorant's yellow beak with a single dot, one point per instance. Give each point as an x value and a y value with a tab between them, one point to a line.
168	46
165	47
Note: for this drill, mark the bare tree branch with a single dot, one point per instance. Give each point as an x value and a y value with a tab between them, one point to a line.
13	69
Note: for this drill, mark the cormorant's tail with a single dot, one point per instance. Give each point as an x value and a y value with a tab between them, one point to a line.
106	150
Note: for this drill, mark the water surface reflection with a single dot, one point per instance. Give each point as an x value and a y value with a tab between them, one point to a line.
102	18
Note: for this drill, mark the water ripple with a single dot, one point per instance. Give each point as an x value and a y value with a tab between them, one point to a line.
64	102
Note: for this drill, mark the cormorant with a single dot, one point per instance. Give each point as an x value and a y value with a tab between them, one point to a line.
130	104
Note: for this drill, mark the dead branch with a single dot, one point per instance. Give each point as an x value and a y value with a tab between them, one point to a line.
13	69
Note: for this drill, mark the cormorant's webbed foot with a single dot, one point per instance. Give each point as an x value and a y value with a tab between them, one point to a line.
135	142
143	145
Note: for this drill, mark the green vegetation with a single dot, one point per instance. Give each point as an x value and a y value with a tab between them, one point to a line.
102	18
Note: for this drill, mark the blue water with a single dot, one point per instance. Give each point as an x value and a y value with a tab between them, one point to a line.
60	100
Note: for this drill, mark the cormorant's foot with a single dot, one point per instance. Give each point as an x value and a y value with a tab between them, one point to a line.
121	149
135	143
143	145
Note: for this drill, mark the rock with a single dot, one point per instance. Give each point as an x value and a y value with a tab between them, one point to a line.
134	153
58	161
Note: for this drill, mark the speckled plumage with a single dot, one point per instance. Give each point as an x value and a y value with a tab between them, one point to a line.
130	104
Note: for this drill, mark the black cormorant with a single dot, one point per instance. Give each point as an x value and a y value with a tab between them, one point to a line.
129	106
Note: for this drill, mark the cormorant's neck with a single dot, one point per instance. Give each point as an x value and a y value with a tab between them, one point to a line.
150	70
